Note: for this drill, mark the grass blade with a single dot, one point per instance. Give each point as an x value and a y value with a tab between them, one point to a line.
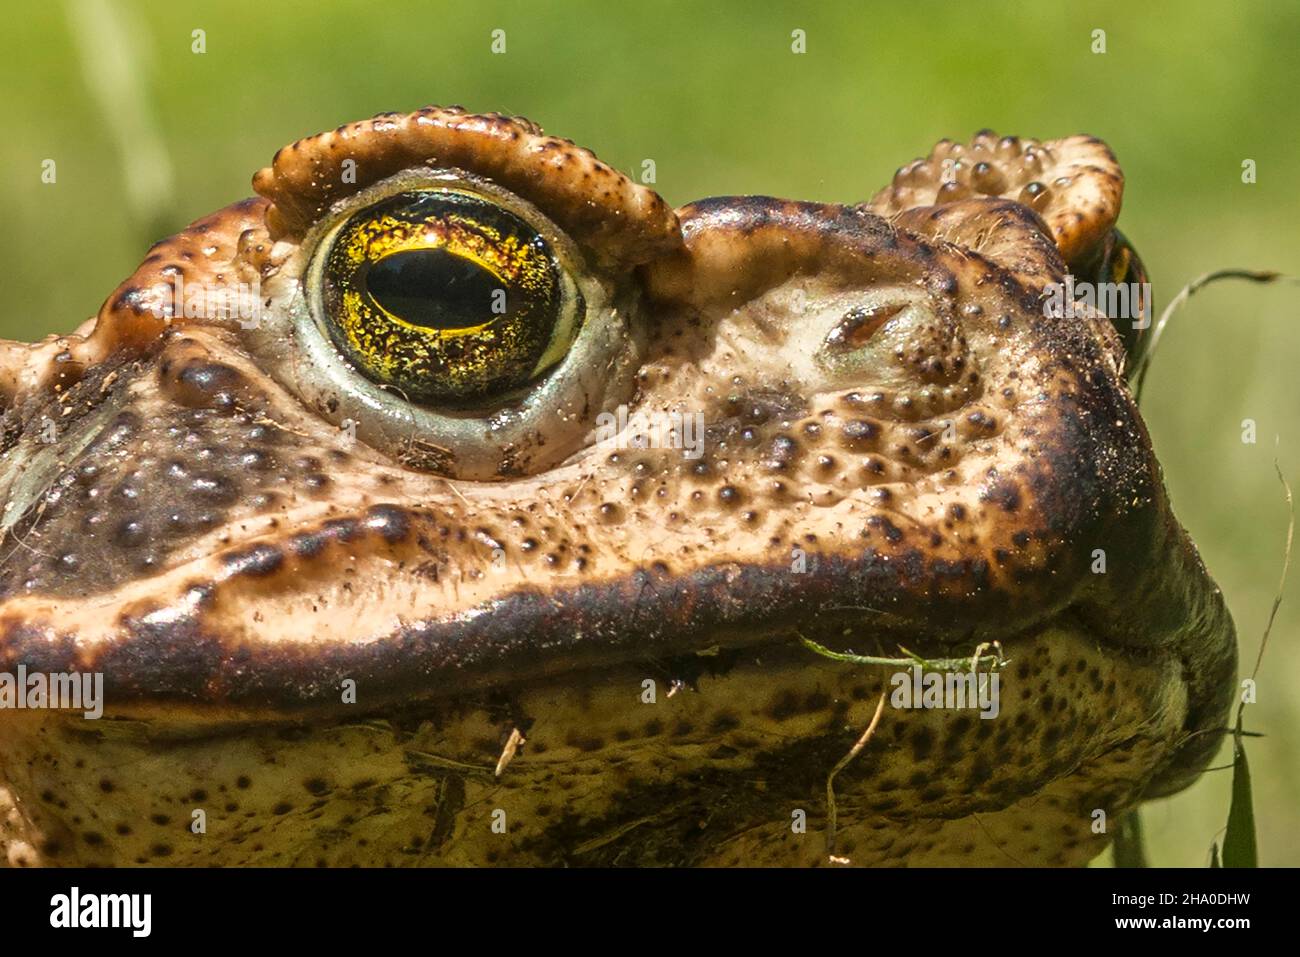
1239	848
1129	849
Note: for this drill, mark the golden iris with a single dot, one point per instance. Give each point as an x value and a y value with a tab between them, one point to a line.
447	296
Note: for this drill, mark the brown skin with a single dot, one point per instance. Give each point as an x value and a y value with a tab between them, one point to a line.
936	475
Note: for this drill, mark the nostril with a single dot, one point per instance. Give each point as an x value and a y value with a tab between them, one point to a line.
859	324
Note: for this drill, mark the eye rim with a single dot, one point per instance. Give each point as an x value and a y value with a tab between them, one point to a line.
451	367
516	435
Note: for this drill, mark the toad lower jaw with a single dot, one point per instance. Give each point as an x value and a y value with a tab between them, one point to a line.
709	774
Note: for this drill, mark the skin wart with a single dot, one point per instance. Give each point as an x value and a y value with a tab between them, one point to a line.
352	629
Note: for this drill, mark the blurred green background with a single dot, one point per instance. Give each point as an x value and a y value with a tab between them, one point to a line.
148	135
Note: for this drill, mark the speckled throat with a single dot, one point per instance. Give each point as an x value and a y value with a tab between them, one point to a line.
337	627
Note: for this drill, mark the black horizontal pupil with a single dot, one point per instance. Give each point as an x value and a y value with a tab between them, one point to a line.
436	289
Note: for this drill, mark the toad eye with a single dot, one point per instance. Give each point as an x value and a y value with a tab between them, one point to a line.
447	297
453	325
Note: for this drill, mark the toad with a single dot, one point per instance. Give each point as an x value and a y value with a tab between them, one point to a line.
458	501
